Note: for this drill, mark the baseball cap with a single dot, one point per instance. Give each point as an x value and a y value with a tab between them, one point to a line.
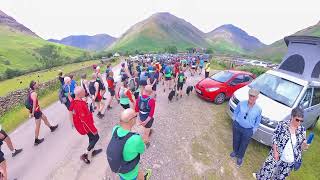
253	92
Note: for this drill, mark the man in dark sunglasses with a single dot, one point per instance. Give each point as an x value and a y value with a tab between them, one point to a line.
246	120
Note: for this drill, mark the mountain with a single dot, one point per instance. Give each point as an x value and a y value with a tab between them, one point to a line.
229	38
20	48
159	31
275	51
13	25
93	43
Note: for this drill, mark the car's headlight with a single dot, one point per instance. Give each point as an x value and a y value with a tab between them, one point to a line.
268	122
212	89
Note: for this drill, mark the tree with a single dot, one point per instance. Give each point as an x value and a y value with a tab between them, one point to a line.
50	55
171	49
209	51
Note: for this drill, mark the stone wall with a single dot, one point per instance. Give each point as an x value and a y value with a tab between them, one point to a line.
18	97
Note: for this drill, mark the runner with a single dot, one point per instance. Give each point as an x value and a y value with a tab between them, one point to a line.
123	72
36	113
201	66
102	87
125	148
68	91
153	81
111	89
168	76
82	120
61	77
143	79
181	79
207	69
95	93
145	105
109	69
5	137
125	96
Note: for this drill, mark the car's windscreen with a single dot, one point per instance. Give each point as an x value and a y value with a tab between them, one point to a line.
278	89
222	76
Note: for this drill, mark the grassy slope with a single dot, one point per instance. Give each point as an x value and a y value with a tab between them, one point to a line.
153	38
276	51
19	49
46	75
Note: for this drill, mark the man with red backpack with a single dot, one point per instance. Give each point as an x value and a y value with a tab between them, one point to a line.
82	119
145	106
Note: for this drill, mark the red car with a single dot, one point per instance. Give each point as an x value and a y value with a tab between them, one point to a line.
222	85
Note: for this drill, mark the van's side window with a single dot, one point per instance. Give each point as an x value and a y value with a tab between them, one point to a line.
316	96
305	102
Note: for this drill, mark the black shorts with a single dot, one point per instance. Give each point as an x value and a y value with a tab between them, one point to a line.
125	106
112	92
149	124
168	78
37	114
154	87
179	86
136	95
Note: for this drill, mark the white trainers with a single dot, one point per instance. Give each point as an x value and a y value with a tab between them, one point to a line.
254	175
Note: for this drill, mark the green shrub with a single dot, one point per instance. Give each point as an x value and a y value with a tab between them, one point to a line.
253	69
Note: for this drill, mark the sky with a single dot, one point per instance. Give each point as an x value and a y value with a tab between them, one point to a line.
268	20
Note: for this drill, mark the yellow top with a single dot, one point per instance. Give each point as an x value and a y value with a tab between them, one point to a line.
207	68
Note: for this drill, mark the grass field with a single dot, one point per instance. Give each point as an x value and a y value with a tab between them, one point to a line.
18	51
41	76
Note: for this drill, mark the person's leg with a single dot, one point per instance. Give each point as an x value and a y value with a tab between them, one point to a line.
37	129
93	139
244	141
45	120
140	175
3	169
236	138
146	135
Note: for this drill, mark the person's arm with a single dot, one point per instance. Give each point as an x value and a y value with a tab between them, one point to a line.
236	112
96	86
71	117
275	142
34	102
257	122
129	95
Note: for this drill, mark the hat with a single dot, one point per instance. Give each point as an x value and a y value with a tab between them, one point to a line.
253	92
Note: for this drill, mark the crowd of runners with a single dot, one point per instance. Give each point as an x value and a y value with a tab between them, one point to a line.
135	91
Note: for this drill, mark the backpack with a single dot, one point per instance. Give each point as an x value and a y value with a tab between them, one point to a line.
132	84
144	104
28	102
181	78
167	70
92	89
114	154
62	97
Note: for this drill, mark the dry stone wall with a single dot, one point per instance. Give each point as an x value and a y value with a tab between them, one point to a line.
18	97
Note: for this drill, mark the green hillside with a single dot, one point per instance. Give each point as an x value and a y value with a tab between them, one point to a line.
19	51
277	50
159	31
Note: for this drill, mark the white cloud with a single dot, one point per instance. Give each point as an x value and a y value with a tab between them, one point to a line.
268	20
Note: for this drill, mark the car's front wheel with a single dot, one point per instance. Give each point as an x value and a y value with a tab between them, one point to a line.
314	125
220	98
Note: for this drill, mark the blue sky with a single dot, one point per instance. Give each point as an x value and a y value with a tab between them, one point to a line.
267	20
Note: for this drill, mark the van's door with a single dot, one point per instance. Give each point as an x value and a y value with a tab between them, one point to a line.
314	109
311	105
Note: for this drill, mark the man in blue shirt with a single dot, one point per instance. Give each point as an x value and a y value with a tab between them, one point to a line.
246	120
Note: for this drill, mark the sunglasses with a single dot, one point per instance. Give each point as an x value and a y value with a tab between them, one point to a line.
299	120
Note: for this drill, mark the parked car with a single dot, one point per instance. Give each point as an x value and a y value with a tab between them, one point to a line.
294	83
222	85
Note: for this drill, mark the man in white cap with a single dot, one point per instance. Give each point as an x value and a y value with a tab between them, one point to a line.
246	120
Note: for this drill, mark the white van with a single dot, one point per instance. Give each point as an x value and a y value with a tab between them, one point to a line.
295	83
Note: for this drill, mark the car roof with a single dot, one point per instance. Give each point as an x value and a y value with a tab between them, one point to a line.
289	77
239	72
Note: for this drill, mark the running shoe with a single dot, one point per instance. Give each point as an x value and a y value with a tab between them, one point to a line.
148	174
254	175
84	158
53	128
38	141
16	152
96	152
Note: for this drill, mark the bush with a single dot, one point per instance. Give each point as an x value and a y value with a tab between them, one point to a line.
209	51
253	69
10	73
171	49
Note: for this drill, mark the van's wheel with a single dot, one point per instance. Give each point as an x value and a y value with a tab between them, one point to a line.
220	98
314	125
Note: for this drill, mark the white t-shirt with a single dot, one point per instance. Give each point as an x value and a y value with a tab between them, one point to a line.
287	154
